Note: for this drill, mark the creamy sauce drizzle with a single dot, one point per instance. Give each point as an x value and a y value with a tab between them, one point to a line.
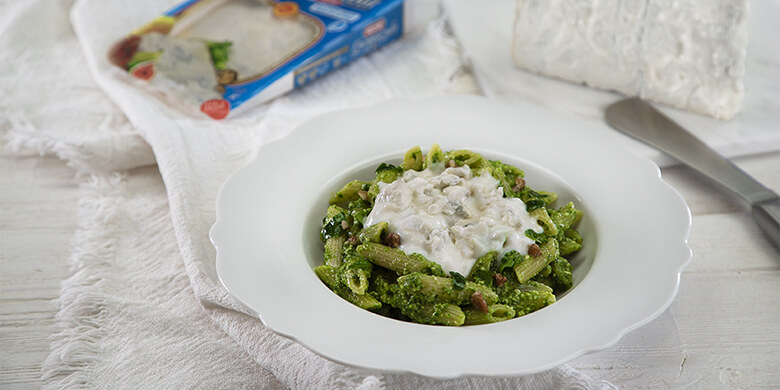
452	217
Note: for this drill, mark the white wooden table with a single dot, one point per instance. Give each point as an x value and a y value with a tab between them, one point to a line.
722	331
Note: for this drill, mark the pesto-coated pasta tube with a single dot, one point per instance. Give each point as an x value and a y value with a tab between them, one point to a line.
570	242
481	271
349	192
495	313
442	289
435	314
530	266
435	158
413	159
356	280
528	298
544	220
355	273
333	250
566	217
466	157
372	233
396	260
329	276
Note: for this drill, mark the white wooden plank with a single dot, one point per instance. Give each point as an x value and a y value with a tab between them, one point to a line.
730	243
37	221
722	331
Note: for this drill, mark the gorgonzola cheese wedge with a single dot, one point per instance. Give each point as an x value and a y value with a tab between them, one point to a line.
686	53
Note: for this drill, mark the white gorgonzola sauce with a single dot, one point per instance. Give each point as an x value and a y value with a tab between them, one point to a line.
452	217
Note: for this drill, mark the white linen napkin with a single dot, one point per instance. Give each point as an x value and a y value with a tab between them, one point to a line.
143	308
485	34
128	315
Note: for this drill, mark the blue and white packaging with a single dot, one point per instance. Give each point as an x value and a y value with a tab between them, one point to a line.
214	56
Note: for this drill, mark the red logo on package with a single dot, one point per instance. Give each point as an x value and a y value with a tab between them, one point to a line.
216	108
334	2
374	28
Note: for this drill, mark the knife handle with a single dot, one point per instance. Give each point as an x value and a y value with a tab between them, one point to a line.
767	215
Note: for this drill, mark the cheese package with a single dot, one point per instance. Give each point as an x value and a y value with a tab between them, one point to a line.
212	56
685	53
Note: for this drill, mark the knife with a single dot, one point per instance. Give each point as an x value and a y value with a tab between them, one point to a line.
642	121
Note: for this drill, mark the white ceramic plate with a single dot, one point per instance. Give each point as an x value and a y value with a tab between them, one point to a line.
635	233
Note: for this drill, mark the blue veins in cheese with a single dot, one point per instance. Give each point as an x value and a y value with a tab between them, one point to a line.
452	216
685	53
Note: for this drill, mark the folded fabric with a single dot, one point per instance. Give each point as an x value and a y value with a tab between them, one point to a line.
128	316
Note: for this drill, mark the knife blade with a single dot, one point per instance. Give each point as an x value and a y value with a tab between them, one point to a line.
640	120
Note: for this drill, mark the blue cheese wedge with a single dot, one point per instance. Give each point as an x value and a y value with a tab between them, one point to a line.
685	53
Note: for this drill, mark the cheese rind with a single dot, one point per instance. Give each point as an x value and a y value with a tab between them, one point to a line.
579	41
685	53
694	55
